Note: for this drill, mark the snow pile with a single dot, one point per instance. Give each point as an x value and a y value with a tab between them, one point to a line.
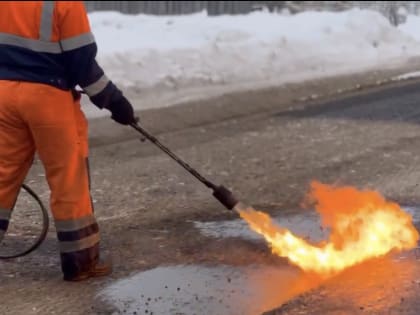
147	50
407	76
411	26
178	53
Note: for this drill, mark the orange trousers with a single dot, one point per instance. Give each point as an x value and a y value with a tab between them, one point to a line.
49	121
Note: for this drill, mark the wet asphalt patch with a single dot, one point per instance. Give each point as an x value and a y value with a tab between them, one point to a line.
221	289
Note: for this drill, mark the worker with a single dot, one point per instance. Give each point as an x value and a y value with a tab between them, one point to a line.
46	51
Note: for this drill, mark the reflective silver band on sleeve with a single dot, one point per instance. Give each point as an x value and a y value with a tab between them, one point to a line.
96	87
46	25
77	41
32	44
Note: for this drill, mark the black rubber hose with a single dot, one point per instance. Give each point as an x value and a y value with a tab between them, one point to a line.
45	226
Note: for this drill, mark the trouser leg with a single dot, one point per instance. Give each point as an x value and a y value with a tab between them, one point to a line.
55	127
16	151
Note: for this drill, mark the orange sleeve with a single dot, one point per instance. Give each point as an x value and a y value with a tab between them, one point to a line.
72	19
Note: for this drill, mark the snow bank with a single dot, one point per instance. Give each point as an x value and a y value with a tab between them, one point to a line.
407	76
179	52
411	27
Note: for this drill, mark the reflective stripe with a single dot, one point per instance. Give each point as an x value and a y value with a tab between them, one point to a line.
77	41
67	247
70	236
5	214
32	44
74	224
46	25
97	87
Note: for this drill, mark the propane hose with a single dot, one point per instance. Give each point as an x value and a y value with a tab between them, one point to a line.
44	231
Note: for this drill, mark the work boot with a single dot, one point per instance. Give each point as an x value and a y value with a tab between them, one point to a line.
101	269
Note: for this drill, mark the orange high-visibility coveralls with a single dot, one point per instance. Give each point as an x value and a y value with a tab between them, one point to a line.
46	49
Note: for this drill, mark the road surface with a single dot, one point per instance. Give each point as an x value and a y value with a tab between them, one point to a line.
268	152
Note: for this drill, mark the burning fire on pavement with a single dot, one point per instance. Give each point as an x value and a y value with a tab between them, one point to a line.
362	225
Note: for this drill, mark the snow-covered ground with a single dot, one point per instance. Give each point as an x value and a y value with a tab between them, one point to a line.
178	53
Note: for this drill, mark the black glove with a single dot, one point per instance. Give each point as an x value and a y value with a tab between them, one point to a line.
122	111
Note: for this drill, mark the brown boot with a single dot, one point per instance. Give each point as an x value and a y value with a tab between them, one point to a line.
99	270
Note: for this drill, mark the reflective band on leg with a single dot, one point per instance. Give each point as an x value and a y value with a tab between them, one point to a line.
74	224
5	214
68	247
70	236
77	234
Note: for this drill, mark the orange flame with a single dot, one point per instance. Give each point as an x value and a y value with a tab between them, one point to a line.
362	225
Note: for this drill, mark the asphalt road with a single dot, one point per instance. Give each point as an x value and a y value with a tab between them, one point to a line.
146	204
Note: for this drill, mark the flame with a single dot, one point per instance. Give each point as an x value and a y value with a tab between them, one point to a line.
362	225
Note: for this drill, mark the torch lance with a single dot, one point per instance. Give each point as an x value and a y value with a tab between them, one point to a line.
221	193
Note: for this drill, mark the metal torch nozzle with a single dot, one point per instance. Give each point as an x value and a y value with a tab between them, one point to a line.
225	197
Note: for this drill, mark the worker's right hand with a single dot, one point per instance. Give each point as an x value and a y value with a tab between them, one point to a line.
122	111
